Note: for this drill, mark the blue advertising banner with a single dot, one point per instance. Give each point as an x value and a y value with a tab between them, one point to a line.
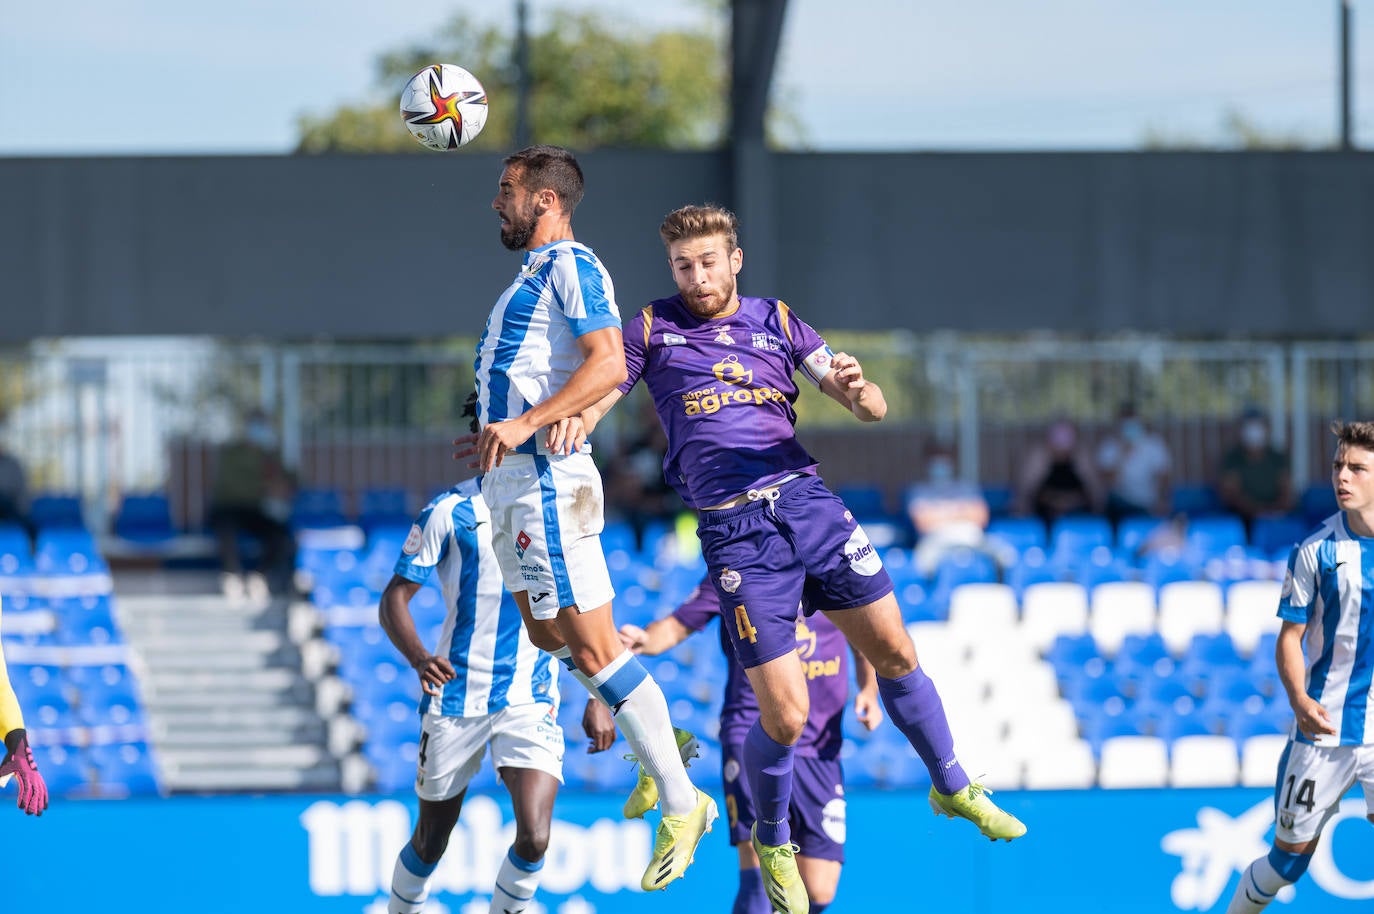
1120	851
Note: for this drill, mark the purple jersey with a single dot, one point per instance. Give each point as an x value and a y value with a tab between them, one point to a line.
723	389
824	655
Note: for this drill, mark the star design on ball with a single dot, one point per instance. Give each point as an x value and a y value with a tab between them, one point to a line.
445	108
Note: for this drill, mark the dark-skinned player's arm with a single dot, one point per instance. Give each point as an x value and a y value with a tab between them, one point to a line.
394	614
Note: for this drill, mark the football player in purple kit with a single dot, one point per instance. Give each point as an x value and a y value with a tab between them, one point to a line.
817	809
720	368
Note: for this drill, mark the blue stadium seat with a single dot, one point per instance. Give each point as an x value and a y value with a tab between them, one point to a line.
1208	653
1098	726
1134	531
999	499
56	511
1100	566
67	551
1193	722
1072	652
16	553
1164	690
1277	535
1079	534
1212	536
144	518
1165	567
384	506
317	509
1142	655
1317	503
866	502
1233	686
1034	567
964	566
1019	533
64	768
1195	500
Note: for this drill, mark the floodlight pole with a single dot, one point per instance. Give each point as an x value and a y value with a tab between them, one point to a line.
1346	143
522	75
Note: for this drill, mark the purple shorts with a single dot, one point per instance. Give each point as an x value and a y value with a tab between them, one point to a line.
764	559
815	815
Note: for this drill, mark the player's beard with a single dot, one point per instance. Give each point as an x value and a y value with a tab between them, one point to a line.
717	303
521	229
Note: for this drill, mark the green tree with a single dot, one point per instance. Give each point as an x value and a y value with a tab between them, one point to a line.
1238	131
591	85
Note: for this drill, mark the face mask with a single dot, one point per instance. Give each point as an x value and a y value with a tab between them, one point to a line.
940	470
260	433
1132	430
1254	435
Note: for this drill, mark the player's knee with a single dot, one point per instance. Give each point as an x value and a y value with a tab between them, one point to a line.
532	844
429	843
546	638
1288	864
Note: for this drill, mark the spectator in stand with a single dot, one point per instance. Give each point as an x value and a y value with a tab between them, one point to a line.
1134	464
252	495
948	513
14	492
1255	479
1058	478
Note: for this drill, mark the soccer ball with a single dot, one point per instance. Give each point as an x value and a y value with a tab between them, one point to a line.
444	106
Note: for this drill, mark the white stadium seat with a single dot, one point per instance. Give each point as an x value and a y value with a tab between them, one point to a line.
1053	608
1188	608
982	607
1118	609
1252	609
1064	766
1259	759
1133	761
1204	761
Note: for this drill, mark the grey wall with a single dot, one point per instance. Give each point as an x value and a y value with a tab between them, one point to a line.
405	246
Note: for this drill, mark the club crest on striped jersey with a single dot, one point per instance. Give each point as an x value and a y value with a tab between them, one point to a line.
533	264
413	540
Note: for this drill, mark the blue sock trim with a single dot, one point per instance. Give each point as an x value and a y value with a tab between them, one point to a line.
1289	865
622	682
564	656
520	863
411	861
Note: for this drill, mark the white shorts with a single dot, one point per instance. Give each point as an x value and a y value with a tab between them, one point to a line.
1312	780
546	519
451	748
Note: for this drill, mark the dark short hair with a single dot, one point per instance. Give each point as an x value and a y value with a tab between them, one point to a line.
1353	434
470	409
700	222
550	168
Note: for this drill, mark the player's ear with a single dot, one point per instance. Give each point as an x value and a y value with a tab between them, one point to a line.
736	259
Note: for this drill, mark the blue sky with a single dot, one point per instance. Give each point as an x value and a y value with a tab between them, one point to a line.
97	77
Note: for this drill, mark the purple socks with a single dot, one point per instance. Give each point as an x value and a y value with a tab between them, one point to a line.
914	707
751	898
768	765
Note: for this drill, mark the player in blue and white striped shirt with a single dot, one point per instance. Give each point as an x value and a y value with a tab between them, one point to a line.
551	348
1325	659
484	685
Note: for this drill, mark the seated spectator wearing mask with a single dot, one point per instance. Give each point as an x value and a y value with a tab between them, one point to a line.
1058	478
1254	479
1135	469
948	514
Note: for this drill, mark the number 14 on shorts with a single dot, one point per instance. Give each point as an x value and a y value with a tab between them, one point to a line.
747	632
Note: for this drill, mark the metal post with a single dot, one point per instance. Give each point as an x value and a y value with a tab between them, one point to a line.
1346	143
1301	465
522	75
969	456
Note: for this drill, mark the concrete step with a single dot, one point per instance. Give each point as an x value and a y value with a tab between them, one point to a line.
199	757
324	778
233	740
297	694
204	659
236	718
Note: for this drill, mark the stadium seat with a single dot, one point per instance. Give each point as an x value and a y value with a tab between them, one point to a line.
1070	653
1195	500
1259	759
1163	690
1077	535
1203	761
1033	567
1277	535
999	499
1317	503
1143	654
1251	611
1183	720
1187	608
67	551
317	509
1133	761
1133	532
983	607
1018	533
56	511
1063	766
1118	609
384	506
964	566
1165	566
1211	536
144	518
127	769
1051	609
866	502
64	768
1207	654
16	553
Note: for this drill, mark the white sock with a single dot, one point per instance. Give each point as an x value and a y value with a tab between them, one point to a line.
564	656
516	883
1258	886
409	883
641	712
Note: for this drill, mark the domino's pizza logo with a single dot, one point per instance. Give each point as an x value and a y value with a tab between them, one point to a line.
522	542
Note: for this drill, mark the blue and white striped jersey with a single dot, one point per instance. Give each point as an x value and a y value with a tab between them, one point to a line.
1330	588
529	347
482	635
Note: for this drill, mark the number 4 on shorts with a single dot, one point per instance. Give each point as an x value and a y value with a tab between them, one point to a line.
746	631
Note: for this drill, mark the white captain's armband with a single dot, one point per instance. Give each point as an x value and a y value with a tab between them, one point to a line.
817	364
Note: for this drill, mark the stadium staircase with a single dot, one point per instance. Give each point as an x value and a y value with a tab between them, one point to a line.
235	692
